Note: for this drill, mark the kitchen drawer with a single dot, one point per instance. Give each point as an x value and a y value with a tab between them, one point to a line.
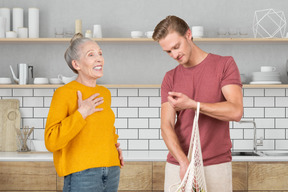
27	176
239	176
135	176
268	176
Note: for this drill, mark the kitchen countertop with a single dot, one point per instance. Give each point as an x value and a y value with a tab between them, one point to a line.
128	156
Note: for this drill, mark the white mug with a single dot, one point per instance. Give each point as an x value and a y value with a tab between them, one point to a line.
149	34
11	34
267	68
97	31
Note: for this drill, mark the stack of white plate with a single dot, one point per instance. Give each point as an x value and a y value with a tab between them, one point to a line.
271	77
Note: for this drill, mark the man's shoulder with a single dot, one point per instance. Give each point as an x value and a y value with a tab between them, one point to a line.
220	58
173	71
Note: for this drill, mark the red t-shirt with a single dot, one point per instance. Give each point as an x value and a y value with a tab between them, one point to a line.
203	83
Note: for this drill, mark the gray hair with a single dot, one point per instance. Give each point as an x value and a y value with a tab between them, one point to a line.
73	51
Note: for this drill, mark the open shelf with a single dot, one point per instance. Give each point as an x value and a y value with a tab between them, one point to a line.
14	86
42	40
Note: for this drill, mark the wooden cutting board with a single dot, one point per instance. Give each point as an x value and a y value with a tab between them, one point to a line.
9	121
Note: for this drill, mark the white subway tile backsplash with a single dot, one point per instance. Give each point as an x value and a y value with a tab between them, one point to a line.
127	92
274	92
33	102
121	123
282	123
157	145
47	101
43	92
115	110
33	122
230	124
149	112
281	144
119	102
236	133
19	98
123	144
265	123
149	92
253	92
267	145
155	123
242	144
253	112
282	102
274	133
248	101
274	112
149	133
39	134
26	112
249	133
138	120
138	123
238	125
5	92
127	112
41	112
138	101
264	102
113	92
128	133
138	144
154	101
22	92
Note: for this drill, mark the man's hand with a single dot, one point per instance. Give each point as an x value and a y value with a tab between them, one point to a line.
183	168
180	101
117	145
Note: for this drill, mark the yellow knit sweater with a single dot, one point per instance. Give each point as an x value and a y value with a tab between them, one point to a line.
78	144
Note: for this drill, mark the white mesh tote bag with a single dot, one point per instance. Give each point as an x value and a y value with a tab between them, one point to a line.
194	179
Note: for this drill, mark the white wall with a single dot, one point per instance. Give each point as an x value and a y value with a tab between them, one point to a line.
141	62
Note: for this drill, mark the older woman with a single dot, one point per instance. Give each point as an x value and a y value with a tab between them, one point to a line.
80	125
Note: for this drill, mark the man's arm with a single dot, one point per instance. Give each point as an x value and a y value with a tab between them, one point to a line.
229	110
168	115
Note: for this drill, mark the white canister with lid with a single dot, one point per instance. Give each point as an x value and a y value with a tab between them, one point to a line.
2	27
97	31
88	34
23	32
33	21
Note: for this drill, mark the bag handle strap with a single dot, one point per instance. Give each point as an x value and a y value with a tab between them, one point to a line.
197	111
193	132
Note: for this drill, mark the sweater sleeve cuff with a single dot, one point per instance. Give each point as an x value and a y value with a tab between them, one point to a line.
78	115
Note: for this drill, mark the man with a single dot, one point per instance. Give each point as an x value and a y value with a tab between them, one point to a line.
210	79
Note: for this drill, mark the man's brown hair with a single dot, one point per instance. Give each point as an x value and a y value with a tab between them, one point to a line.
170	24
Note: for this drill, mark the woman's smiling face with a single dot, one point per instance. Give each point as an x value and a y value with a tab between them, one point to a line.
91	61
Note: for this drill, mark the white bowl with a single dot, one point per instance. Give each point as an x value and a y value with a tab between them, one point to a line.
55	81
5	80
266	78
136	34
41	80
